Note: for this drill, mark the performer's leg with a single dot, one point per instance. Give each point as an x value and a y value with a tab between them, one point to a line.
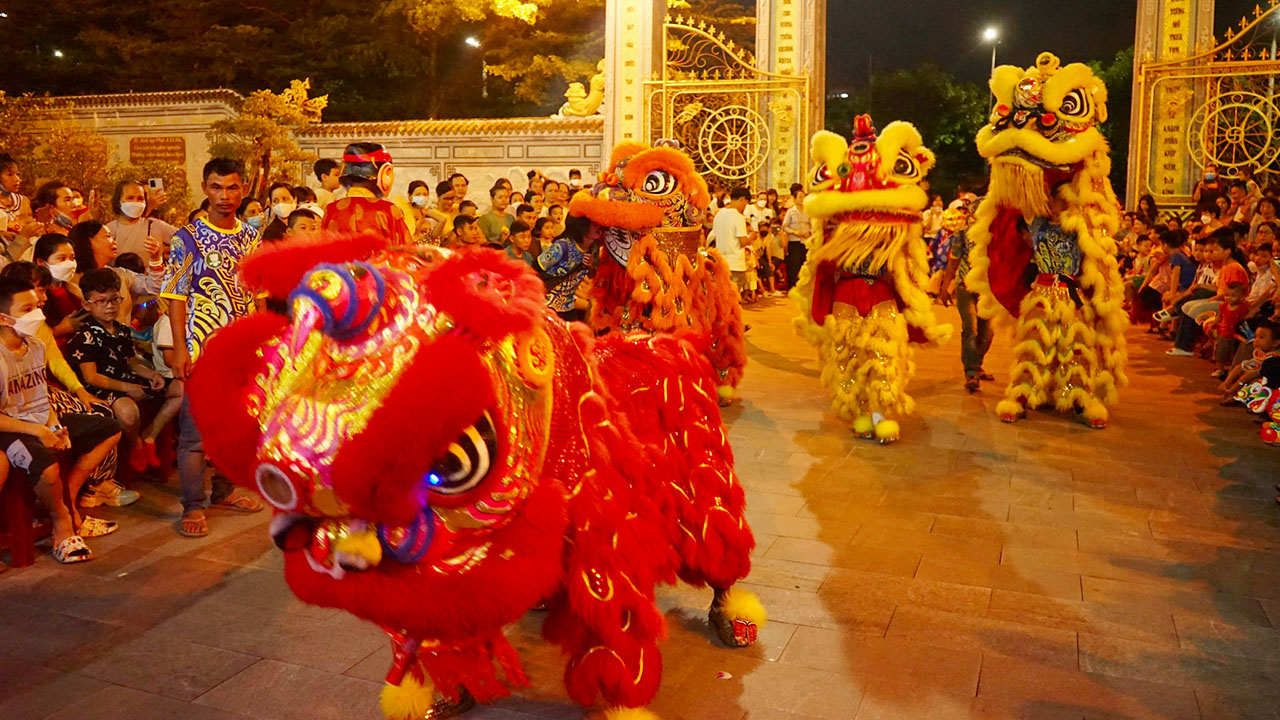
970	355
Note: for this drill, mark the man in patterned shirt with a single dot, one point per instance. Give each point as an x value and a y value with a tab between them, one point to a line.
202	284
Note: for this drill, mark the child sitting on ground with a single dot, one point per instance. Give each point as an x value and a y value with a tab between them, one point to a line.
1266	345
1231	313
104	356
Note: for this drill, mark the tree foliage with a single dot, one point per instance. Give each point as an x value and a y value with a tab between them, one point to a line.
262	135
1118	77
947	113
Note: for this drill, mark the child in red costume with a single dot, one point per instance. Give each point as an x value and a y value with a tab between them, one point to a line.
545	464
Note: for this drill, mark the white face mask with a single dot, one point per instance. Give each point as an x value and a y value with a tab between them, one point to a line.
133	209
28	324
282	210
419	200
63	271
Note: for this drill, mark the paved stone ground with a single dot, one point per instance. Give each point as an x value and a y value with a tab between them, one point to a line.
974	570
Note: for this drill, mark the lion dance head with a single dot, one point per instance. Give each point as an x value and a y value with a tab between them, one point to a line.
372	519
1043	131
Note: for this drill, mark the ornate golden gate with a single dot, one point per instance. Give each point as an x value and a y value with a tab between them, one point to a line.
1218	107
742	125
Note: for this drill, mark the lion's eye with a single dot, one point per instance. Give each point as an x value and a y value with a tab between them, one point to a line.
905	166
659	182
821	175
1074	103
466	462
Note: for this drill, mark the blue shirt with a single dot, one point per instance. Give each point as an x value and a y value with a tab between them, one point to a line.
204	272
1181	260
563	259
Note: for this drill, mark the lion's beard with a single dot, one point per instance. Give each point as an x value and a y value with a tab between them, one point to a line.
866	245
1018	186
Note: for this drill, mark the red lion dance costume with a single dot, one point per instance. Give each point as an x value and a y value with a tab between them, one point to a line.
443	453
1043	250
653	274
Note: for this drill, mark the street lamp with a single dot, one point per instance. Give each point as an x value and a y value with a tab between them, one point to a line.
992	35
474	42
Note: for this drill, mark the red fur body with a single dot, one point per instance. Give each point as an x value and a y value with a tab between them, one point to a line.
611	471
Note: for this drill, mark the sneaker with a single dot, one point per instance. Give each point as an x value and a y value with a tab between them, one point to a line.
1218	374
109	493
1162	316
1179	352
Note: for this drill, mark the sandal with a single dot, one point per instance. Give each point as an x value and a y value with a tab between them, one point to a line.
239	502
97	527
72	550
193	525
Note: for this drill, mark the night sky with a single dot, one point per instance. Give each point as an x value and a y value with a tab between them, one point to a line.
894	34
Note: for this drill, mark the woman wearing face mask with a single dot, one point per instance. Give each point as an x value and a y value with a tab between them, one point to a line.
420	201
250	213
281	203
101	488
1208	190
95	247
133	225
64	299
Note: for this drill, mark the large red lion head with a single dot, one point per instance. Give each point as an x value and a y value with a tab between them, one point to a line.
397	424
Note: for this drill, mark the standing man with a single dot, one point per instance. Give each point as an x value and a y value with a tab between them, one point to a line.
367	174
496	222
975	330
460	185
203	287
327	172
797	228
729	233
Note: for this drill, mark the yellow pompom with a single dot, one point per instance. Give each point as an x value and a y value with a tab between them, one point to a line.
621	713
725	392
361	544
887	431
742	605
863	425
408	700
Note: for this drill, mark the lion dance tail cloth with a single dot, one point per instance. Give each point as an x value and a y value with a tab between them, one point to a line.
443	453
1043	253
654	275
861	291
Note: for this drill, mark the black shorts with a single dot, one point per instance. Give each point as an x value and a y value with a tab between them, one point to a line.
28	454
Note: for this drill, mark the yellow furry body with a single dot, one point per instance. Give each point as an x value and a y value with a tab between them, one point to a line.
866	360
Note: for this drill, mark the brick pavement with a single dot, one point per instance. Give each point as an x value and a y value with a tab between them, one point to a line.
974	570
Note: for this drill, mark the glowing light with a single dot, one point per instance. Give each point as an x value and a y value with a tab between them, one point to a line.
844	96
473	41
57	53
991	34
434	479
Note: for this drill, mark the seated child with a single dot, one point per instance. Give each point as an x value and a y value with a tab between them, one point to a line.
1266	345
1231	313
32	434
103	354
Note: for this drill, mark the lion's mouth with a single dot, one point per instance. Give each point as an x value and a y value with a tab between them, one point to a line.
1020	154
334	546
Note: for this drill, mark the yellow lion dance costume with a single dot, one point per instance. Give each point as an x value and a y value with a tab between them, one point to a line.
861	291
1043	253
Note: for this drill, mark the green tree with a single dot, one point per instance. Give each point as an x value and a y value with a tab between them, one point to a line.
947	113
262	135
1118	77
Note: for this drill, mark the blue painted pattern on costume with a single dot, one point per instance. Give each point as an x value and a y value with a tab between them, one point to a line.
1057	252
203	269
563	259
